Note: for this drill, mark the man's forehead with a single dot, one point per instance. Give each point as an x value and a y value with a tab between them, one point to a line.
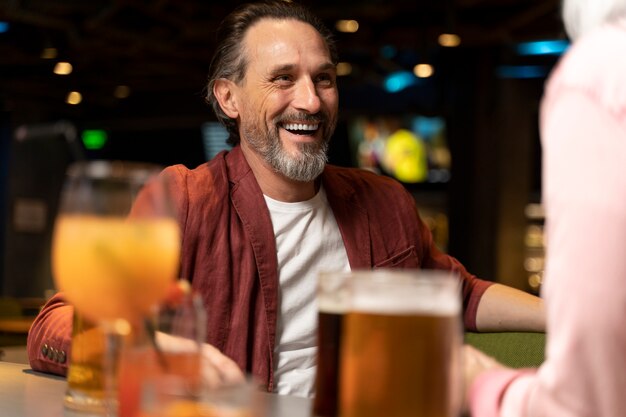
270	23
270	35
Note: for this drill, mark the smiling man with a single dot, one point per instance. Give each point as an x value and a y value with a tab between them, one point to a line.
285	105
261	221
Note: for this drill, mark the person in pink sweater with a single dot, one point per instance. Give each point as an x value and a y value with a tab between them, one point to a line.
583	133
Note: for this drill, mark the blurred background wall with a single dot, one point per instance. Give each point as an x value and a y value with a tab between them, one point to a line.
442	95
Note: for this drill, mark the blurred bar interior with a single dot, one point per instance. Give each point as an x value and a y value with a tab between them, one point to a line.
443	95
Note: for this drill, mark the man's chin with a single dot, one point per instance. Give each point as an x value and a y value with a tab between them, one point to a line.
304	167
293	146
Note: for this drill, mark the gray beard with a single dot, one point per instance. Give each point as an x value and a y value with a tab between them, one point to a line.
305	166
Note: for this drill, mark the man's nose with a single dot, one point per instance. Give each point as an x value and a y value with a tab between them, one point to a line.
306	97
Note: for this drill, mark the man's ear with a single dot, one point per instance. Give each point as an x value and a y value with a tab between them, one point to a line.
224	92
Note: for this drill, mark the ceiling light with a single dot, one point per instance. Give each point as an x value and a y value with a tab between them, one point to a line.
347	26
63	68
121	91
423	70
546	47
344	68
449	40
74	97
49	53
398	81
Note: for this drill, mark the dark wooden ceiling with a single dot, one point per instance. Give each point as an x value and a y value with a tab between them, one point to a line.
161	49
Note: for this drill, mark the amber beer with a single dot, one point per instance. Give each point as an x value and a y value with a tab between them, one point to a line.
332	297
327	377
85	375
401	348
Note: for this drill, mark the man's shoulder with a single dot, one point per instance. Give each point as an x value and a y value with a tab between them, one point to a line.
206	169
209	177
359	179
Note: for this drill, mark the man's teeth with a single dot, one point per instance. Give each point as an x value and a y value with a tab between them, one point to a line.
300	126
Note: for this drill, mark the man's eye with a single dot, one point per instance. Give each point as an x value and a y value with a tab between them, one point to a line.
325	79
282	79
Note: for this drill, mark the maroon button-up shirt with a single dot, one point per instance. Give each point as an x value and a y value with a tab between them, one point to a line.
229	253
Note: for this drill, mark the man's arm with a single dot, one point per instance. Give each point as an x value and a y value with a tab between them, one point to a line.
49	337
503	308
49	345
487	306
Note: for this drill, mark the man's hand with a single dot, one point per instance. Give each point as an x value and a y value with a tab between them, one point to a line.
218	369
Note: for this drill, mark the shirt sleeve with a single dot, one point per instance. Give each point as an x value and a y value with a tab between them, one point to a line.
584	193
49	338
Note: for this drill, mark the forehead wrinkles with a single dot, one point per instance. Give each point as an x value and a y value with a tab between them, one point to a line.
271	38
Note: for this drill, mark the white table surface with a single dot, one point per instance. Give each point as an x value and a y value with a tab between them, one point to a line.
25	393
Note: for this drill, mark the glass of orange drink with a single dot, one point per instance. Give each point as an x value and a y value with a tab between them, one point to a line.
166	397
114	257
179	330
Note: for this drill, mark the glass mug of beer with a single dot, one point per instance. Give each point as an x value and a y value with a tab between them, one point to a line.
399	345
333	298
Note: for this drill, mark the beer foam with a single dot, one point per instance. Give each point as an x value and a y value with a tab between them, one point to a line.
405	298
337	302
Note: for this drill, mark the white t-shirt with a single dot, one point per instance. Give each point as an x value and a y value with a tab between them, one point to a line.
307	241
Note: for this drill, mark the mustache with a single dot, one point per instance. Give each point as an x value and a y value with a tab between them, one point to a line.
302	117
